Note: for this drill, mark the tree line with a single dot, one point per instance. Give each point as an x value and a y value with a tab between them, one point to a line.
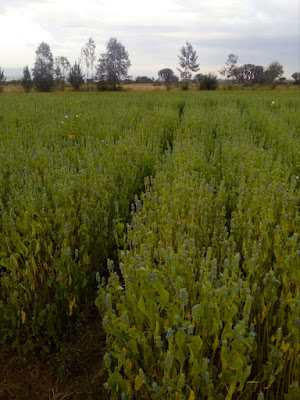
112	68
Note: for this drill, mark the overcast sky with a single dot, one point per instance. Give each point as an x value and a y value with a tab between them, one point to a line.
258	31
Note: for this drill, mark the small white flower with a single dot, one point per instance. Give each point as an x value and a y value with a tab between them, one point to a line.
297	177
62	122
273	102
76	116
66	117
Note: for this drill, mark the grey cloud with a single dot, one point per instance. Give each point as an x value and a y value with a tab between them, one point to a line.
258	31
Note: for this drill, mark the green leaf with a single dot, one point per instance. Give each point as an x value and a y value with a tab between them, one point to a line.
279	369
132	346
38	247
164	297
180	356
156	332
237	364
180	339
141	306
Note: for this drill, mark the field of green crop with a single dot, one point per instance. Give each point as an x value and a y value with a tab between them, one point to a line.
177	216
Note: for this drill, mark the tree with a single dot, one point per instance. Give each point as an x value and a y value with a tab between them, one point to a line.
76	78
208	82
88	56
198	78
230	65
61	71
113	64
188	63
273	71
43	68
296	77
2	79
248	74
26	79
167	76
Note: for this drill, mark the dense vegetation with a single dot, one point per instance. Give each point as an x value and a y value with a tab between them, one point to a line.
177	214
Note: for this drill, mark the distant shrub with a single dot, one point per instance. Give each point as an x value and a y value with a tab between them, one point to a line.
208	82
184	85
76	78
2	79
107	86
26	82
143	79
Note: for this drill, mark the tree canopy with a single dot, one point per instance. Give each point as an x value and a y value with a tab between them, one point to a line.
88	56
2	79
187	61
113	64
249	74
76	78
296	77
43	68
26	79
167	76
273	71
61	71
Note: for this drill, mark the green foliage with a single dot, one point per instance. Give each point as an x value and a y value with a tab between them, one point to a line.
249	74
2	79
167	76
183	209
273	71
143	79
26	81
230	65
113	65
62	68
208	82
207	302
79	165
296	77
76	76
43	68
188	64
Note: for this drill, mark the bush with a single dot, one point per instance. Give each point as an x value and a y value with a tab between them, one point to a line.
185	85
2	79
76	76
208	82
107	86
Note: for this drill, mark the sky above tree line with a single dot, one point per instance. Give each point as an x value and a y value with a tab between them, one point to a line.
258	31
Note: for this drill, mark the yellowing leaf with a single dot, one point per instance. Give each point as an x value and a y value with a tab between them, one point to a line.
15	261
216	343
192	395
273	337
166	325
23	315
285	346
271	381
231	391
129	363
71	306
129	389
85	259
138	383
